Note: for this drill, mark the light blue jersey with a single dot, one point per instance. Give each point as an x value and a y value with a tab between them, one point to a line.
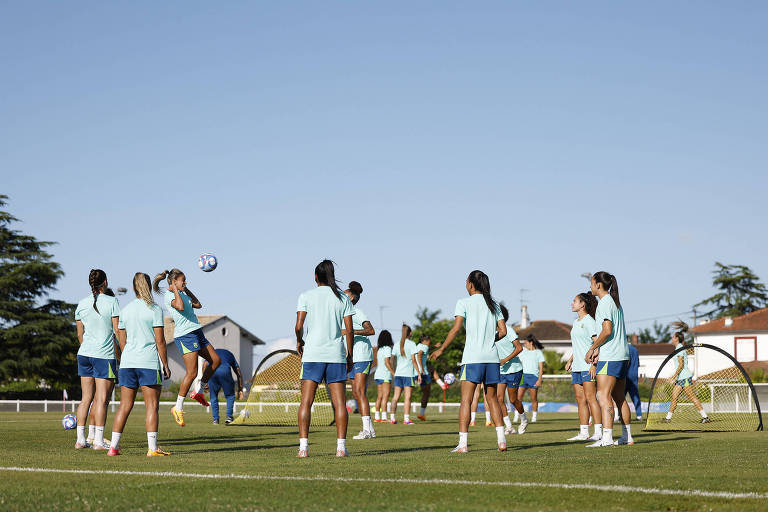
581	339
184	322
506	346
423	350
531	360
615	347
382	372
404	364
362	350
685	373
480	325
98	333
323	342
139	321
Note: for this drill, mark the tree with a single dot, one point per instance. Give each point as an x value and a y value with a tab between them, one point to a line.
661	334
741	292
553	362
437	331
37	336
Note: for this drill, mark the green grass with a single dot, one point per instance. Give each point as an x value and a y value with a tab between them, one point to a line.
732	462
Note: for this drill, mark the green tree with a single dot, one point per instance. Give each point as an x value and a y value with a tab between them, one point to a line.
661	333
553	362
741	292
37	335
437	330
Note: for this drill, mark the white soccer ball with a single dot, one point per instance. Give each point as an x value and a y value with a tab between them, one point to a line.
449	378
69	422
207	262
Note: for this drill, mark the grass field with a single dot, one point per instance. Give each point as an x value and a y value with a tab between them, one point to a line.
405	468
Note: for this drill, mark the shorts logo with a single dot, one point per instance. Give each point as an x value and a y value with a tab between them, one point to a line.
194	345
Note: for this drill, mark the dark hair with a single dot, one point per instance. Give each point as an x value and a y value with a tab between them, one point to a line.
480	281
424	336
504	312
682	328
96	278
536	343
326	274
356	289
385	339
109	292
609	284
172	275
590	303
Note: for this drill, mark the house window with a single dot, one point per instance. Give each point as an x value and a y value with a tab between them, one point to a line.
224	331
745	348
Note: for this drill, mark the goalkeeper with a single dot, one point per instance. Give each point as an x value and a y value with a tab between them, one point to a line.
221	380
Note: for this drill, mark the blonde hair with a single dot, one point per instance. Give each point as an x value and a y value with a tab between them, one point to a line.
170	274
143	288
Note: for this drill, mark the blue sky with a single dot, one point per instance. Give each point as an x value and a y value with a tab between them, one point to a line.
411	143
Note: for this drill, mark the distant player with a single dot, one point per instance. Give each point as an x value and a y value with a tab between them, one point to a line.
480	359
424	379
96	319
509	348
385	370
362	360
222	380
633	390
144	356
582	373
91	427
532	359
683	377
611	352
326	354
404	376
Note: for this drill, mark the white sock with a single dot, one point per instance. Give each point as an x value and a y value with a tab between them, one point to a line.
500	435
599	429
626	432
98	436
507	421
406	417
524	418
440	383
116	440
152	441
392	416
91	431
487	416
199	387
535	415
367	423
303	443
669	415
584	430
463	438
703	413
517	417
615	415
607	436
423	411
180	403
376	415
473	416
341	444
81	434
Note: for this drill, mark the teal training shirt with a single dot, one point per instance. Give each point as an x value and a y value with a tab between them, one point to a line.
323	342
581	339
382	372
615	347
184	322
404	364
362	350
98	332
423	350
139	320
685	373
506	346
531	360
480	326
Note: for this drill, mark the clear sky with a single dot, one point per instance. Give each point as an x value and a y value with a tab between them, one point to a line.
411	142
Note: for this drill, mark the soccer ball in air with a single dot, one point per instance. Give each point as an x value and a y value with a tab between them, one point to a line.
449	378
69	421
207	262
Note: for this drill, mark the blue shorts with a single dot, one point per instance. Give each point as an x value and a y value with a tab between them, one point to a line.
581	377
191	342
379	382
328	372
134	378
425	379
512	380
96	367
481	373
529	381
360	367
684	382
403	382
616	369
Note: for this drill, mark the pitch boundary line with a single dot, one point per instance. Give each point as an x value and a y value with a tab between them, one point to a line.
590	487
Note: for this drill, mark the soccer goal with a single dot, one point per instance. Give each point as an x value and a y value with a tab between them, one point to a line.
276	393
719	387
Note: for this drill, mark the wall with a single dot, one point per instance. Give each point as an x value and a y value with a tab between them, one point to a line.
710	361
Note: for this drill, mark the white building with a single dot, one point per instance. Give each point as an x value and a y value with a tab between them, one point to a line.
744	337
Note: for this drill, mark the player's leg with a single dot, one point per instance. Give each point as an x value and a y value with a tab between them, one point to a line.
605	385
152	401
308	389
360	378
583	409
190	373
501	393
620	397
475	405
393	405
127	398
88	386
228	386
377	405
337	397
386	388
91	426
214	361
468	389
494	406
425	390
590	394
673	403
634	394
99	412
692	397
407	395
534	404
214	386
488	420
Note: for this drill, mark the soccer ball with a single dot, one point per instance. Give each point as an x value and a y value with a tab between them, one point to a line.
351	405
207	262
449	378
69	421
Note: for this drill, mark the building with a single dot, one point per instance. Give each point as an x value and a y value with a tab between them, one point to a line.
552	334
222	332
744	337
651	356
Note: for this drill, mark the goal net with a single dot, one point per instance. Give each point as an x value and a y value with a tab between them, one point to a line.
275	394
719	389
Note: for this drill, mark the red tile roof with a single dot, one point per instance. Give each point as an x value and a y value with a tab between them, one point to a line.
755	321
654	349
546	330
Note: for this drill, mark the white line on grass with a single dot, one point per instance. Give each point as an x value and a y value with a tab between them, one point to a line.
591	487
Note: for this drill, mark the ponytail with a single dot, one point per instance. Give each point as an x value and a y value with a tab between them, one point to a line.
682	328
326	275
609	284
590	303
536	343
142	287
96	279
356	289
170	274
482	284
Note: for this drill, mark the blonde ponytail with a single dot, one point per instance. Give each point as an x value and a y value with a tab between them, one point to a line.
143	288
170	274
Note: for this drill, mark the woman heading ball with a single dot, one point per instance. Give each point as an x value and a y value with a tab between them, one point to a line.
484	324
